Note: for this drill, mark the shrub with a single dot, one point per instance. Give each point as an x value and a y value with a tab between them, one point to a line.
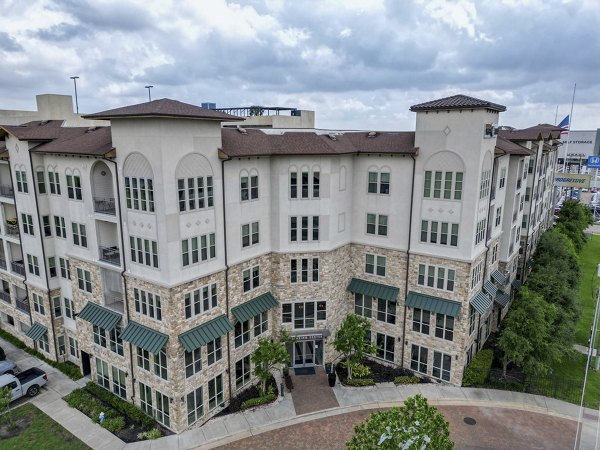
360	370
127	409
154	433
114	424
406	380
258	401
477	372
360	382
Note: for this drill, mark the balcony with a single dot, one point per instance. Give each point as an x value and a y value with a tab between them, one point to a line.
7	191
5	297
12	227
3	263
18	267
23	305
114	301
105	206
111	255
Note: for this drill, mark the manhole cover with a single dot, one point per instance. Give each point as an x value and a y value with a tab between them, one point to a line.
470	421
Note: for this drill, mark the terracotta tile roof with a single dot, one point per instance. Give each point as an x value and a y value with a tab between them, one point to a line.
164	107
457	102
535	133
254	142
511	148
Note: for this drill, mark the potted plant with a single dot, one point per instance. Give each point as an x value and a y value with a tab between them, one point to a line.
331	376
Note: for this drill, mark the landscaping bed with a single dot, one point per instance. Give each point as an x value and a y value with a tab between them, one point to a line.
251	393
380	373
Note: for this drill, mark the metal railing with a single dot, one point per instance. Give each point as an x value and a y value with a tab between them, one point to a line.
105	205
18	267
7	191
114	300
111	255
5	297
23	304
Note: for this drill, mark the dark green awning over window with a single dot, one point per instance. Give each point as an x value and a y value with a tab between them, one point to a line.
489	287
499	277
516	283
203	334
374	289
502	299
100	316
433	304
144	337
254	307
36	331
481	303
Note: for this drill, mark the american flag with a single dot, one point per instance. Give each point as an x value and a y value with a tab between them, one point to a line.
564	124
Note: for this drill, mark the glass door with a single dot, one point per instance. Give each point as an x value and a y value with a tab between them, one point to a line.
299	354
305	353
309	353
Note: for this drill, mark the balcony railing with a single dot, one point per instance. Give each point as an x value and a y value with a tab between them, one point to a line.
105	205
18	267
3	263
12	228
23	304
111	255
5	297
6	191
114	300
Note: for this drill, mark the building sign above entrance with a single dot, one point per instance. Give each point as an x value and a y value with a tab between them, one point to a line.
309	337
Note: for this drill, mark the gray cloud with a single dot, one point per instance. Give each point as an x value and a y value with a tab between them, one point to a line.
9	43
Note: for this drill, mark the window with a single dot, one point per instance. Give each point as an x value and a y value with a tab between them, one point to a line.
65	268
446	185
146	399
74	187
385	347
472	314
99	336
69	308
375	264
41	182
293	184
84	280
33	265
195	406
495	253
302	314
421	320
498	220
115	341
418	359
301	272
436	277
444	326
530	167
524	221
527	194
54	182
192	254
195	193
147	303
102	374
502	178
261	323
214	352
46	226
484	187
143	359
442	364
79	235
363	305
476	274
249	188
139	193
242	333
377	224
118	383
160	364
162	409
304	184
242	372
60	227
386	311
315	269
429	232
521	202
305	228
251	278
57	307
316	184
62	347
27	222
379	183
144	251
73	347
250	234
200	300
480	232
38	303
43	343
21	177
215	392
193	362
286	313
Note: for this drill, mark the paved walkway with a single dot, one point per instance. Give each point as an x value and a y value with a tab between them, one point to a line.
583	349
312	393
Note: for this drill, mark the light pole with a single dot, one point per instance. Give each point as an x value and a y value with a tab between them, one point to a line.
76	101
149	87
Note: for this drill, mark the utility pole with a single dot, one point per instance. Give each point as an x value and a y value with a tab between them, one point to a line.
597	360
149	87
76	101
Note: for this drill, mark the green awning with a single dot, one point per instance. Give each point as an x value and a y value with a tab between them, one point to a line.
144	337
374	289
516	283
433	304
205	333
499	277
100	316
254	307
502	299
36	331
481	303
489	287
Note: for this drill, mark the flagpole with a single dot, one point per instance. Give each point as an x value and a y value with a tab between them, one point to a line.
556	115
570	128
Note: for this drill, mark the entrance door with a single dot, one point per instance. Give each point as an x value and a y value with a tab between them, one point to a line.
304	353
85	363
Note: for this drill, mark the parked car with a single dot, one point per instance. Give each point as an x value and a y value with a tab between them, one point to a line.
8	367
27	382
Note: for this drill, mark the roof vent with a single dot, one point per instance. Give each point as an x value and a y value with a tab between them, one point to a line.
332	137
43	122
372	134
90	129
242	130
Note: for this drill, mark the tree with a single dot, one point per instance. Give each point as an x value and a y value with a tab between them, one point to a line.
265	358
351	340
5	399
414	426
526	335
573	219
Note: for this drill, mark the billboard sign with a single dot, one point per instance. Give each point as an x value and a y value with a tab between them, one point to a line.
571	180
593	162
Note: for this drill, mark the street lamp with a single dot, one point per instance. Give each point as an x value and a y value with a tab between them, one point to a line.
149	87
76	101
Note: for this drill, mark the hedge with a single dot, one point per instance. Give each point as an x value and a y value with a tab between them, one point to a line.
406	380
360	382
477	372
128	409
70	370
258	401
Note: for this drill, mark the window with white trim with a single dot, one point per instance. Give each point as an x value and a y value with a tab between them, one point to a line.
57	307
143	251
495	253
65	268
261	323
385	346
303	314
418	358
379	183
143	359
476	274
62	346
41	181
162	409
502	181
146	399
302	272
102	373
33	265
38	303
115	341
192	253
43	344
498	220
472	318
195	405
193	362
446	185
147	303
160	364
305	231
375	264
84	280
309	186
480	231
363	305
74	187
434	232
250	234
421	321
195	193
436	277
99	335
21	177
242	372
27	223
54	182
47	227
60	227
79	234
248	187
215	392
251	278
69	308
484	186
444	327
73	347
200	300
386	311
139	193
214	352
119	386
241	333
377	224
442	366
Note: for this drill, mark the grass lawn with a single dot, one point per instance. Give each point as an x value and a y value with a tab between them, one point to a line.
570	372
589	258
42	434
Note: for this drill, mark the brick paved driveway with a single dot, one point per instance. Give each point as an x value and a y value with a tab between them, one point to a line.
496	428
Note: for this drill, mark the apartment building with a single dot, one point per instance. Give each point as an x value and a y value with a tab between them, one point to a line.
156	251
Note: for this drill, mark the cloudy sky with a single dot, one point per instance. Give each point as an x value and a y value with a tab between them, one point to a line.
359	64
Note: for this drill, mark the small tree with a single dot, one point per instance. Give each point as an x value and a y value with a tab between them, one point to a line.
5	399
351	340
265	358
414	426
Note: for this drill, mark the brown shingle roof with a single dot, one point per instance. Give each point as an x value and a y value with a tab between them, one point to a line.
95	141
255	142
457	102
35	131
511	148
164	107
535	133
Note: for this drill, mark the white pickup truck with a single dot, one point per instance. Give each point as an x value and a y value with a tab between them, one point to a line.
27	382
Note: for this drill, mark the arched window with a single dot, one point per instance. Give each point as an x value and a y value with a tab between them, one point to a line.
444	176
139	183
21	177
195	186
248	185
53	180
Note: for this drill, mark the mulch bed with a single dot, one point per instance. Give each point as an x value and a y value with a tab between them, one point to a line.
252	392
380	373
17	427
